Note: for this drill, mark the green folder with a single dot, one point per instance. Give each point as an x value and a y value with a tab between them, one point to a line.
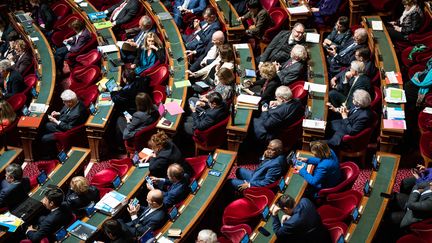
396	94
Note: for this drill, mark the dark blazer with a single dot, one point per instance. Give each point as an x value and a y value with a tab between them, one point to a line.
356	122
153	221
13	194
289	73
140	120
209	117
49	224
77	203
128	12
262	22
344	59
363	82
279	49
124	99
15	84
44	12
197	6
76	116
339	39
420	205
4	37
304	225
174	193
270	122
412	22
267	172
202	37
267	93
370	69
82	40
23	62
170	154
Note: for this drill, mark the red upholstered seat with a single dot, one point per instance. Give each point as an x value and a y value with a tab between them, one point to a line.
336	230
376	104
158	76
269	4
376	80
410	238
30	81
33	169
244	210
416	68
212	138
291	135
159	94
350	172
91	44
139	141
104	178
58	36
254	192
339	206
426	147
84	78
428	100
92	57
234	233
17	101
61	9
88	95
64	24
298	91
48	166
121	165
424	122
72	137
29	69
198	165
279	17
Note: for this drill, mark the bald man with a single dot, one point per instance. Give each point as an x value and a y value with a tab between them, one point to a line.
151	217
175	188
205	56
269	171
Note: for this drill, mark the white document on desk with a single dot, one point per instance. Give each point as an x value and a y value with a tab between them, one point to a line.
320	88
38	107
164	16
377	25
241	46
313	37
314	124
107	48
84	4
302	9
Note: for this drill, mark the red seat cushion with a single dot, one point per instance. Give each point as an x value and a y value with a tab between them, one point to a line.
104	178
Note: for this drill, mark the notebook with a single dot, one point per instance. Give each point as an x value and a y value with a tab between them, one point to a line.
81	230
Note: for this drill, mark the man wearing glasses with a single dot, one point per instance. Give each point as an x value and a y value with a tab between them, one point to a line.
279	49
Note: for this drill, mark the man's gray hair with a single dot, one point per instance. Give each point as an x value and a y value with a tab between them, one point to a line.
362	35
299	53
298	24
146	20
358	66
207	236
362	98
15	171
5	64
283	92
68	95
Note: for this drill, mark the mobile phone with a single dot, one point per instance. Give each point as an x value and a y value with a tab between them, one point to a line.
214	173
385	195
191	103
265	106
149	181
249	59
134	202
127	115
263	231
166	122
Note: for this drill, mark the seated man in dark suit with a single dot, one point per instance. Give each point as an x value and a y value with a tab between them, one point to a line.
279	49
353	121
281	113
14	189
295	68
261	20
364	55
12	82
175	188
269	171
115	233
123	12
7	49
300	223
183	7
205	56
202	120
72	114
58	217
151	217
24	57
74	43
5	29
203	31
343	89
340	58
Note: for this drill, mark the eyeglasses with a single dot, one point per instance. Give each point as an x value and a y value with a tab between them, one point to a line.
299	32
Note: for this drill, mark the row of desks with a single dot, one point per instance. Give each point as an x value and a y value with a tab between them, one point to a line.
228	17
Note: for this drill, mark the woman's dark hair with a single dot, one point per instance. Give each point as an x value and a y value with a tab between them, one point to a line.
143	102
215	97
112	227
285	201
256	4
55	195
226	53
13	36
364	53
344	22
129	75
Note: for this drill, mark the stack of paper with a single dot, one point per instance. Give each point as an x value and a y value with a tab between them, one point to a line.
10	221
302	9
104	99
164	16
377	25
311	87
248	102
241	46
173	108
38	107
111	203
145	154
393	77
314	124
313	37
107	48
395	113
394	124
393	95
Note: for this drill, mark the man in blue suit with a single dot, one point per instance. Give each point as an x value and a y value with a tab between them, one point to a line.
183	7
269	171
203	31
151	217
175	188
14	190
300	223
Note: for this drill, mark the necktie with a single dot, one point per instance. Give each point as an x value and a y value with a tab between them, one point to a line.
144	214
117	11
348	49
288	63
140	38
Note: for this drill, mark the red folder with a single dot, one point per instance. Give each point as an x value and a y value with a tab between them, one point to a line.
29	121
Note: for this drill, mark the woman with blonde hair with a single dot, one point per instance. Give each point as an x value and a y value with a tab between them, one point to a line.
80	195
7	114
266	86
149	53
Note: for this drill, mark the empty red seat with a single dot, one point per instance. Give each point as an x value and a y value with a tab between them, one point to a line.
426	147
298	92
30	81
234	233
17	101
85	78
104	178
121	165
88	95
92	57
72	137
159	94
339	206
64	24
336	230
198	165
424	122
159	76
61	9
269	4
280	18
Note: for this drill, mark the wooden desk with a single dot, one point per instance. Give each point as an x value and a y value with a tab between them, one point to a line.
316	101
295	188
238	131
46	71
97	125
375	205
294	18
196	205
9	156
386	61
177	57
235	29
